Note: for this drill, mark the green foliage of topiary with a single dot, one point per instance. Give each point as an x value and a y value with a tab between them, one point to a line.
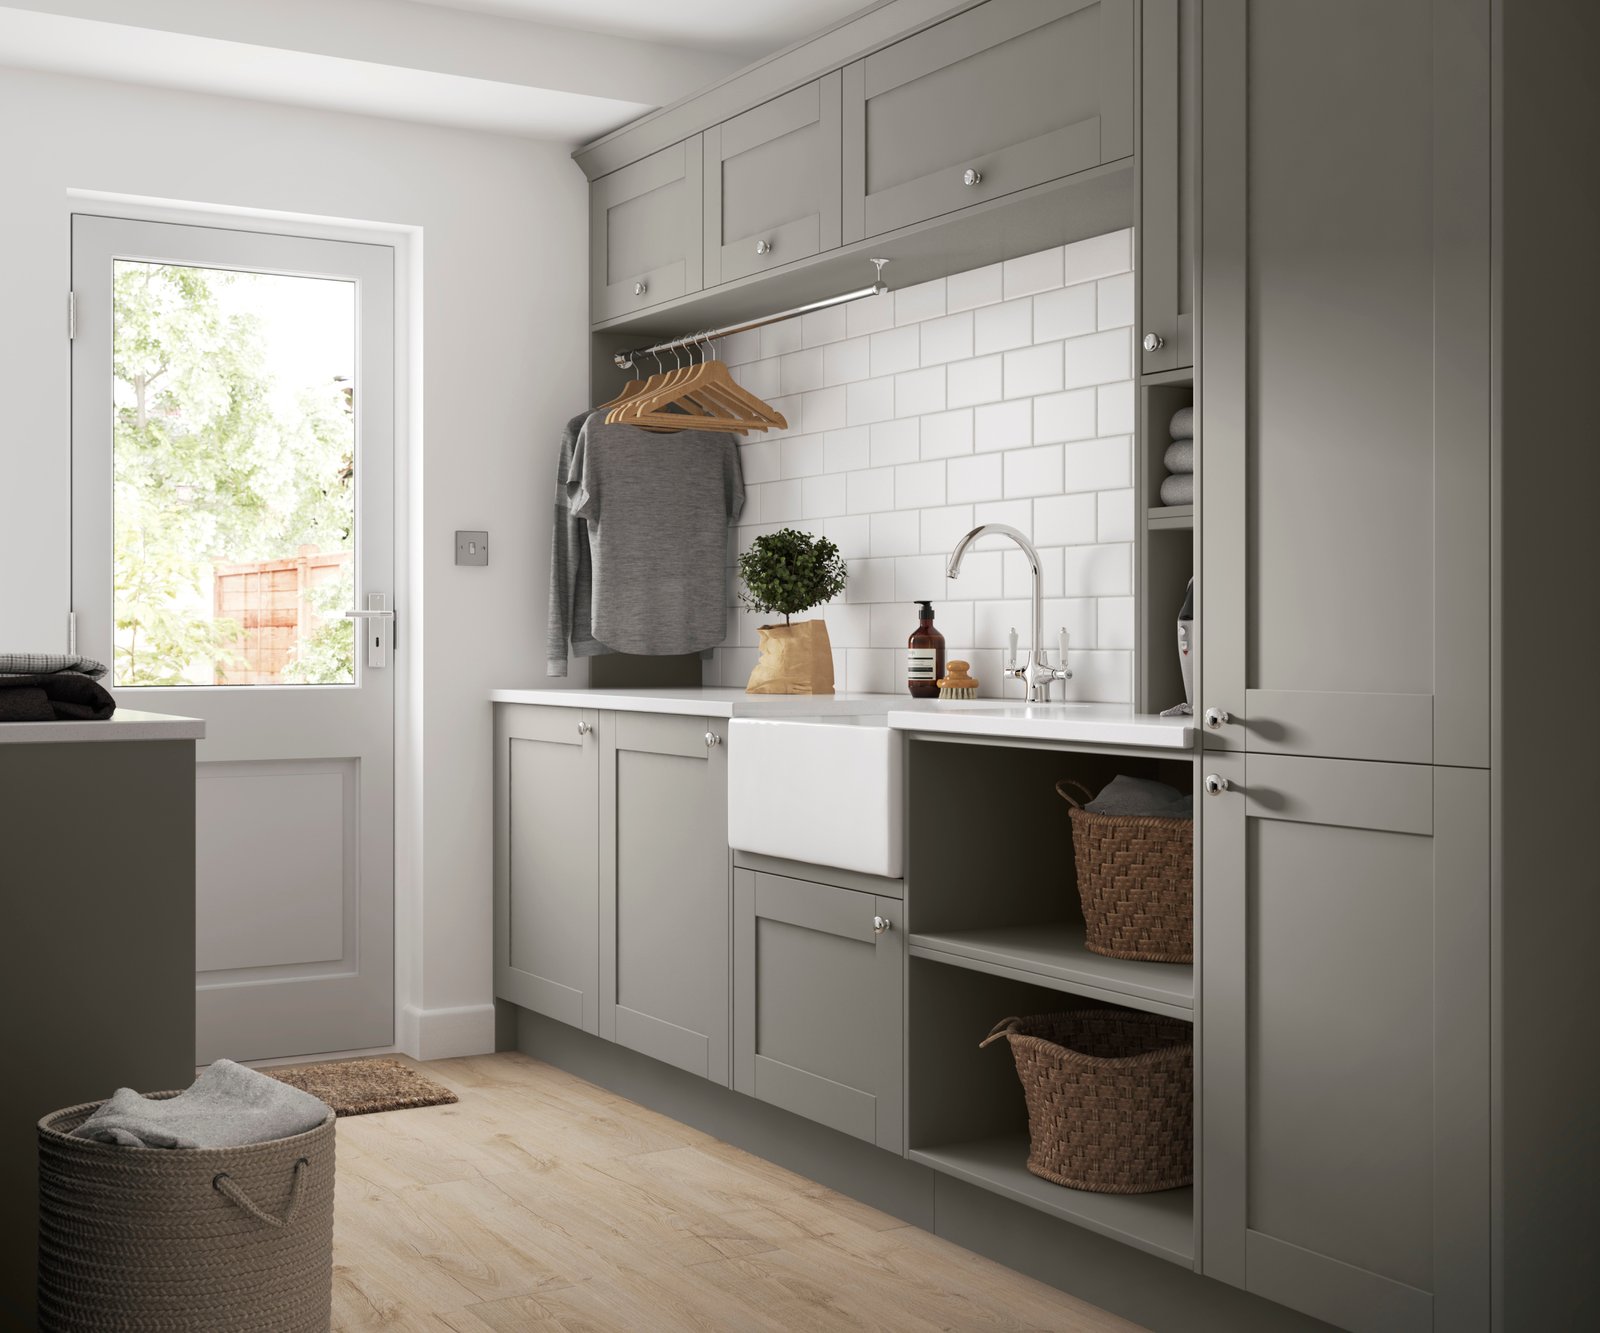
790	572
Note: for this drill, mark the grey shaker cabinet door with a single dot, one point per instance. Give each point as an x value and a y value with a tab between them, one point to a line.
644	231
772	181
666	890
1345	1026
547	862
818	1003
1345	277
1020	92
1169	89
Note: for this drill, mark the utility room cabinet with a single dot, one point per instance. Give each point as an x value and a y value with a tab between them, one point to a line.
665	909
644	231
772	178
1005	96
1169	109
818	999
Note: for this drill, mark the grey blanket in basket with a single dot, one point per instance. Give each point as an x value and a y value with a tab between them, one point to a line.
1125	795
228	1106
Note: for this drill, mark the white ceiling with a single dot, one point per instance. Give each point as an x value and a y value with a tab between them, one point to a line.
748	28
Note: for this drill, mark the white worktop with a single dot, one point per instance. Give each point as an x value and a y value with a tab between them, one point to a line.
126	724
1090	724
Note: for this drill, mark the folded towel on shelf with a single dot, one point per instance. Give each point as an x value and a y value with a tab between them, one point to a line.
1178	490
54	696
1125	795
1179	457
45	664
1181	426
226	1107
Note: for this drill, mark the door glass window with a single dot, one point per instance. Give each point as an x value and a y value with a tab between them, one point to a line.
233	469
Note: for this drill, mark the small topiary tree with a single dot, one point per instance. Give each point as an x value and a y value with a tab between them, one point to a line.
790	572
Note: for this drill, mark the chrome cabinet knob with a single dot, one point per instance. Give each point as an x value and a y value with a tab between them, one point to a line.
1216	784
712	739
584	728
1216	717
763	247
640	288
881	924
1154	342
972	176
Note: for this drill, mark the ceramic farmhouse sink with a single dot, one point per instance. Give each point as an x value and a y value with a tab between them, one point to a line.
825	790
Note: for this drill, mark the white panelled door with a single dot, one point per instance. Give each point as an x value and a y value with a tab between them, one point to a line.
233	500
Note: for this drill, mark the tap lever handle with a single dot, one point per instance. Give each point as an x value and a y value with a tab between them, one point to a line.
1012	659
1064	637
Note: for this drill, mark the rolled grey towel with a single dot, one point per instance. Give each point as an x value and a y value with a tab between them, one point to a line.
1182	424
1178	490
226	1107
1179	457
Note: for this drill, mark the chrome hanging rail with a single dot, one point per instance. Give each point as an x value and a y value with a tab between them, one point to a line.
626	360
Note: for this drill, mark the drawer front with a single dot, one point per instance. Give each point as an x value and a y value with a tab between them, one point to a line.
1016	92
817	1003
644	231
772	183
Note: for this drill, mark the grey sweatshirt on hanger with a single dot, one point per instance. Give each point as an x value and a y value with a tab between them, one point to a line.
571	585
657	507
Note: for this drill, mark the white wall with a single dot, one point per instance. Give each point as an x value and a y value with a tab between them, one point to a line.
502	225
1004	394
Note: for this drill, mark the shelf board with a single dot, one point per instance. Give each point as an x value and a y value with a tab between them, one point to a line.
1183	377
1161	1224
1053	955
1171	516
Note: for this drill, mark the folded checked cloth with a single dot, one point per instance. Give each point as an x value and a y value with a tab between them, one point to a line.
46	664
228	1106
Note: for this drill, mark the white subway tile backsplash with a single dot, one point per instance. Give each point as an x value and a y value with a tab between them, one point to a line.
1064	416
1001	395
895	350
945	434
912	305
918	485
975	287
976	478
1030	371
896	441
1032	273
975	381
998	328
1098	358
1033	471
917	392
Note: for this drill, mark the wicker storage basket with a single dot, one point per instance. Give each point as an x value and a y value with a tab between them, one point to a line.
185	1240
1110	1096
1135	880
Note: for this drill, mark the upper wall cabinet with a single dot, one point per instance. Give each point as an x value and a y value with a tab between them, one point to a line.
1007	95
1166	184
644	231
772	183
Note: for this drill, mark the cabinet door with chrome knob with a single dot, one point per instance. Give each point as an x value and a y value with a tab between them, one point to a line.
972	176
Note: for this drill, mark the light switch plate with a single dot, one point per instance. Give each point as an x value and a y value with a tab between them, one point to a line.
472	548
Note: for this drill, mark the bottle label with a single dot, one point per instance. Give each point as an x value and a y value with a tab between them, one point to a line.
919	664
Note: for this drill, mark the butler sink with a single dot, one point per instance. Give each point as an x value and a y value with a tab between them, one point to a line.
829	791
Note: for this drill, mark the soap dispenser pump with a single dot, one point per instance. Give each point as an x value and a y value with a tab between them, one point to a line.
924	657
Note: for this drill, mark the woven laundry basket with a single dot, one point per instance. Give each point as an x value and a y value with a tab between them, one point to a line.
184	1240
1110	1096
1135	881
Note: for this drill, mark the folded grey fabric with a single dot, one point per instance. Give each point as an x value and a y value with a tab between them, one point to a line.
45	664
1182	424
1178	490
1179	457
54	696
1124	795
226	1107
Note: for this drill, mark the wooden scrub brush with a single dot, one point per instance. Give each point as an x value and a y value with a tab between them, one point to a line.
958	684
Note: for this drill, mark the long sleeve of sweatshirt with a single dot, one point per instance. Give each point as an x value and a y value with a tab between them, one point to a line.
570	582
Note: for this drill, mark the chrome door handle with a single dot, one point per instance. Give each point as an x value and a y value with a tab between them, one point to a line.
763	247
584	728
881	924
1217	784
712	739
369	615
377	609
1153	342
1217	717
640	288
972	176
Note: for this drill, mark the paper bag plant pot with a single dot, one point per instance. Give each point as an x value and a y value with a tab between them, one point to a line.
795	659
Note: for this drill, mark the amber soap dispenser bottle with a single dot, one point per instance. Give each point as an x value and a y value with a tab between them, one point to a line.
924	657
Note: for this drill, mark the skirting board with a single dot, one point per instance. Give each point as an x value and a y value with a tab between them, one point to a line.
444	1034
1152	1292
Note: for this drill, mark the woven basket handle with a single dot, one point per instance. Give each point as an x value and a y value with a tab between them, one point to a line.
1068	797
222	1182
1004	1028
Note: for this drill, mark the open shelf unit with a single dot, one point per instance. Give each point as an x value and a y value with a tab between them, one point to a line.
1053	955
1166	542
1161	1224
